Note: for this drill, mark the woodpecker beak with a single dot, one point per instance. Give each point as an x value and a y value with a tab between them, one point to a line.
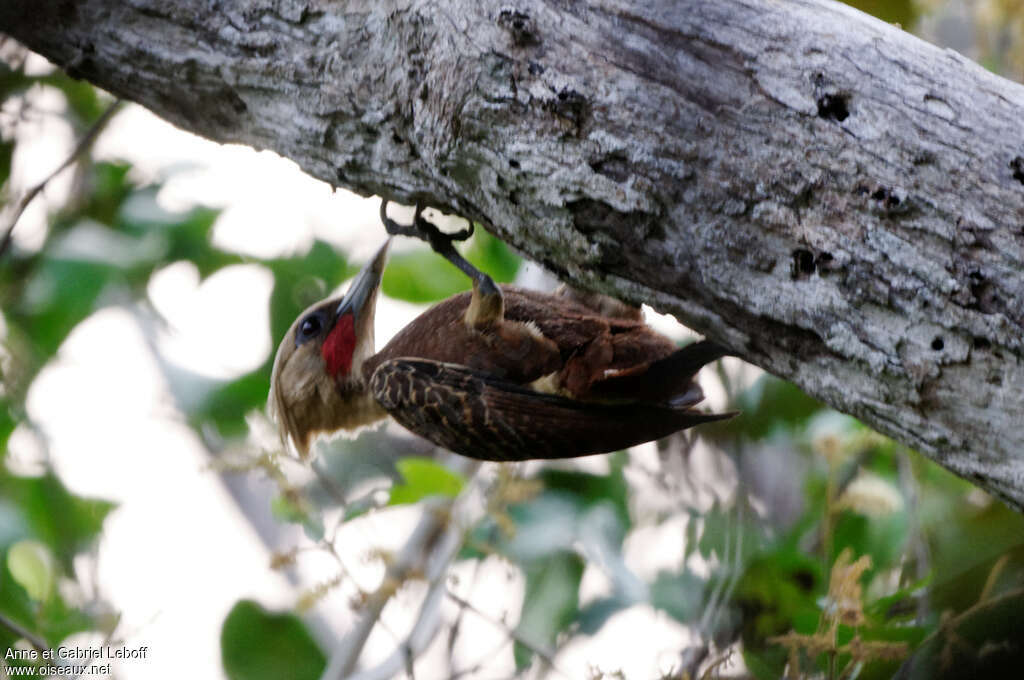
365	285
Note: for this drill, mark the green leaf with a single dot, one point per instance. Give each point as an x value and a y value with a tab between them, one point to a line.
965	541
723	529
301	281
7	422
257	644
298	282
52	619
550	604
226	406
424	477
13	81
110	189
983	642
778	593
422	276
63	521
62	293
15	605
882	538
32	566
288	510
490	254
83	99
589	490
681	596
596	613
6	154
190	239
902	605
902	12
771	403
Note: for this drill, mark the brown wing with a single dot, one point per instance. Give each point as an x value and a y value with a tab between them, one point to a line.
477	415
441	334
574	341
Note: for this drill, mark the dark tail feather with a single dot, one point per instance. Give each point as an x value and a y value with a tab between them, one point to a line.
666	381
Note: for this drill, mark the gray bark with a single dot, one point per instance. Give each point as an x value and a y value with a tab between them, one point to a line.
837	201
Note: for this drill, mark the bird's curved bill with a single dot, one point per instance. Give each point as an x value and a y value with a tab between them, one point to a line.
365	284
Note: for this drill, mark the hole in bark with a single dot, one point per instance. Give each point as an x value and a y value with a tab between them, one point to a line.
938	344
886	196
513	163
984	295
923	158
803	263
1017	165
614	166
520	26
569	104
982	343
823	263
833	107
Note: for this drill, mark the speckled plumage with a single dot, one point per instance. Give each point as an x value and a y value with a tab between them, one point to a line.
507	374
474	390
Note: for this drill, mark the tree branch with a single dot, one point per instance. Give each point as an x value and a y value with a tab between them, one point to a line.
84	143
843	208
16	628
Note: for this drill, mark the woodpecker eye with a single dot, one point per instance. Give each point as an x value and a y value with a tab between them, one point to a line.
309	328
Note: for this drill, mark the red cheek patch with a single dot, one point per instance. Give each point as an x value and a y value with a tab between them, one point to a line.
339	346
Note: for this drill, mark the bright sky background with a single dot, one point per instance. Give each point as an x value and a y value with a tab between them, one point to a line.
177	553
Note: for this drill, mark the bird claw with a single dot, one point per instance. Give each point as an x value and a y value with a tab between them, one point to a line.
422	228
394	228
441	242
427	227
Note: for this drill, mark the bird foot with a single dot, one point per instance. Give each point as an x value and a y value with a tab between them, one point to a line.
422	228
442	243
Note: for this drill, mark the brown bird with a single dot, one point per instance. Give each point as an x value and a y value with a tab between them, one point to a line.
495	374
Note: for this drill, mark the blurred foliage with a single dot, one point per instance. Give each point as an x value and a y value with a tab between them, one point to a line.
43	526
422	478
261	645
902	12
825	550
425	276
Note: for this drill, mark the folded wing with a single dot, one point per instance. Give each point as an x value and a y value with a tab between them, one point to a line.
478	415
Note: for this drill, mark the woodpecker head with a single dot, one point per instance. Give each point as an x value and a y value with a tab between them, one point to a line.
317	384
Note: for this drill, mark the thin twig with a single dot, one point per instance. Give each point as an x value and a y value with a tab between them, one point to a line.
456	626
16	628
428	621
87	139
487	658
544	654
435	540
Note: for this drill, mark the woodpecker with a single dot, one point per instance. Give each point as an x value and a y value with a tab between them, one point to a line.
498	373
